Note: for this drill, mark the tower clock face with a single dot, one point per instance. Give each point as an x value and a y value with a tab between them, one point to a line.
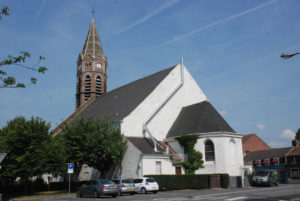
99	65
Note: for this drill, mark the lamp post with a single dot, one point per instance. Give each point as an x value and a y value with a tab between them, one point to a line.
287	55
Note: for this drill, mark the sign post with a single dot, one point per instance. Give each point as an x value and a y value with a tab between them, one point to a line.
70	171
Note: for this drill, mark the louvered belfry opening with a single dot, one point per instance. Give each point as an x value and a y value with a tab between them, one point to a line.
87	85
78	102
98	86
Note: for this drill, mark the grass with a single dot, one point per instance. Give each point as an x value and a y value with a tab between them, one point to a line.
44	194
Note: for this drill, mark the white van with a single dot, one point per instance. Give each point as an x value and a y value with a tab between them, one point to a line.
265	177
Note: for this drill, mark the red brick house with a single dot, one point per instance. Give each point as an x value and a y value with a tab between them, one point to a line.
252	142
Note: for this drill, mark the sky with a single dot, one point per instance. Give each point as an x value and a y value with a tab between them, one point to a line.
231	48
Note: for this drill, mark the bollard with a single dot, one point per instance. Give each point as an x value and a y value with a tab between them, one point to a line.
0	197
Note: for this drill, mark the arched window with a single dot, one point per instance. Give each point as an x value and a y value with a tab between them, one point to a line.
87	85
209	151
98	86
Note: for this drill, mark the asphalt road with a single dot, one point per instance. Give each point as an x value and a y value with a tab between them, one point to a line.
281	193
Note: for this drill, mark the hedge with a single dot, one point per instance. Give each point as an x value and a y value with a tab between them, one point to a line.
224	180
179	182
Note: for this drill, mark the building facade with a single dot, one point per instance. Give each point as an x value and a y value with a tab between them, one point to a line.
151	113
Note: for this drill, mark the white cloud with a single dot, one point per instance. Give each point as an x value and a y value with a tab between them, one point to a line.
287	134
223	112
261	127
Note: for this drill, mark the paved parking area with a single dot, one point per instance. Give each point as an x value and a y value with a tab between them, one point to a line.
283	192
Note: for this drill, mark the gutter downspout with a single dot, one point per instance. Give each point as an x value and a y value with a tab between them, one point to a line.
145	128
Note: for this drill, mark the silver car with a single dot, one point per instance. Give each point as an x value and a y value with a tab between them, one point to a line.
98	188
125	186
145	185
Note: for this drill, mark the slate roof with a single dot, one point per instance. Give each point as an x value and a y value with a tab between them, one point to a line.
272	153
92	45
145	145
119	103
198	118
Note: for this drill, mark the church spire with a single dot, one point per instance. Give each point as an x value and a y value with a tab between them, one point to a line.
91	68
92	45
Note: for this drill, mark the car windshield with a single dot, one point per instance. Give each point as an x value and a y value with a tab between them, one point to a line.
106	182
261	173
151	180
127	181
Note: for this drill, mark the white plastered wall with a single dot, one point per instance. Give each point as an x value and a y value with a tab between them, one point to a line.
188	94
228	154
149	165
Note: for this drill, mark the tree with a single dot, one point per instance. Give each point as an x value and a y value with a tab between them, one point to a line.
96	143
23	141
8	81
194	161
298	134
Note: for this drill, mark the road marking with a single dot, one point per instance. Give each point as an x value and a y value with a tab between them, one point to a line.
237	198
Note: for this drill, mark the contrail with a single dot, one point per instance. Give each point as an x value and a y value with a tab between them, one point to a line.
212	24
149	15
40	9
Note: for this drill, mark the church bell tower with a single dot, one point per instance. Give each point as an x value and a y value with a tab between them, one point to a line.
91	68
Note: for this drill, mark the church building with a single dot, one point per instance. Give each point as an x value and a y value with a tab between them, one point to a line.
152	112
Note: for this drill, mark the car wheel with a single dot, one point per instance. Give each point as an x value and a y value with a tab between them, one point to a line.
154	192
79	194
131	193
115	195
119	193
95	194
144	191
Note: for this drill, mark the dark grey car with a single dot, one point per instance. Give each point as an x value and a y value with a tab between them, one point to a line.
98	188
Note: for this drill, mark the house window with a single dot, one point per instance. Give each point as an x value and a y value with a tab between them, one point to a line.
209	151
158	167
295	173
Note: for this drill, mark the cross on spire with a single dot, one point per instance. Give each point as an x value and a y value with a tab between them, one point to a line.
93	11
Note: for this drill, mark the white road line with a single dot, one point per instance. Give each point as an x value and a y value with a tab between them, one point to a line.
217	198
237	198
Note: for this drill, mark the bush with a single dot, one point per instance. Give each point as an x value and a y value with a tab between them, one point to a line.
224	180
179	182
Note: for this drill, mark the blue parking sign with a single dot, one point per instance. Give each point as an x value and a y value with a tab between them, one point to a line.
70	168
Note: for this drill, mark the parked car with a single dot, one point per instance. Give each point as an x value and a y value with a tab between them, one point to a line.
145	185
98	188
125	186
265	177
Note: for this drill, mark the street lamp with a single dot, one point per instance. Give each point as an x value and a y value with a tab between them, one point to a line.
287	55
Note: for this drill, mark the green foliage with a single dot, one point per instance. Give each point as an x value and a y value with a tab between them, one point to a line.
97	143
4	11
298	134
194	161
10	81
23	141
225	180
179	182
